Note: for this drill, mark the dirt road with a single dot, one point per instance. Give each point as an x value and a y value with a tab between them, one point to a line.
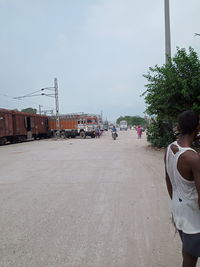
87	203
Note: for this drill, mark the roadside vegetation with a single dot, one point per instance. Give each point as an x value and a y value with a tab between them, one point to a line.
133	120
30	110
27	110
171	89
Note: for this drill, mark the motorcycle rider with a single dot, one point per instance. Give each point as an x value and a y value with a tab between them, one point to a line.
114	130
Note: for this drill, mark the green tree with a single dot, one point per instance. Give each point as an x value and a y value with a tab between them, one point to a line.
30	110
171	89
132	120
174	87
160	133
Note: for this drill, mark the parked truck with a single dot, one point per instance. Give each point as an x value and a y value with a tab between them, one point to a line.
123	125
77	124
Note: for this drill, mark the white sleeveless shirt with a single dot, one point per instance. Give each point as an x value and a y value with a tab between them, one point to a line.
185	208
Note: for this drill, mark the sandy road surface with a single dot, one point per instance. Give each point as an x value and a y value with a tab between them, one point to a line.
95	203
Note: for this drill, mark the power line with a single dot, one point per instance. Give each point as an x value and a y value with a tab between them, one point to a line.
55	95
6	95
24	100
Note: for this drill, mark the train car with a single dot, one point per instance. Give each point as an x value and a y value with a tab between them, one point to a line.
18	126
40	126
6	126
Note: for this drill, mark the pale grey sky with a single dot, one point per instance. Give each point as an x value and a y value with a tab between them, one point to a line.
98	50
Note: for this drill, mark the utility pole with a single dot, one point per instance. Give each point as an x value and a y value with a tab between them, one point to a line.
53	93
57	104
167	33
40	110
48	111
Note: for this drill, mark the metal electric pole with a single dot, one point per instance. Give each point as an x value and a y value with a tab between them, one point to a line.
53	93
167	33
40	110
57	104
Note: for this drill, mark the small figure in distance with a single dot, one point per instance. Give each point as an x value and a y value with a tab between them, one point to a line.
114	129
139	130
114	132
182	168
101	131
97	132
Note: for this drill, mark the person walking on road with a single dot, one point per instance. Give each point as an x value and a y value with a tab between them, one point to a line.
97	132
139	131
182	168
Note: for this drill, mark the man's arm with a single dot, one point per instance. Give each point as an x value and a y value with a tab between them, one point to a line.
195	164
168	182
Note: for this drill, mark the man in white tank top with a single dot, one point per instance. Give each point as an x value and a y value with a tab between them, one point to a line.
182	165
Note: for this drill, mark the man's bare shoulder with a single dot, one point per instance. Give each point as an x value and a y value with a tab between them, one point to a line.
191	157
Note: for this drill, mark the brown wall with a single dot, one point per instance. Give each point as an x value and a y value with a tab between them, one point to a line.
39	124
13	123
19	127
6	126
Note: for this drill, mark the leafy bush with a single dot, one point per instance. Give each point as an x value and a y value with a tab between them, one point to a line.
172	89
160	133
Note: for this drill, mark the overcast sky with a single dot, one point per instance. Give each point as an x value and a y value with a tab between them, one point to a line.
98	50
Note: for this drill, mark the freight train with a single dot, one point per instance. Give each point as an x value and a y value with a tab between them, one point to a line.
18	126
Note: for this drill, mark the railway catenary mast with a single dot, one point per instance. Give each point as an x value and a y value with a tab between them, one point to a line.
52	94
57	104
167	33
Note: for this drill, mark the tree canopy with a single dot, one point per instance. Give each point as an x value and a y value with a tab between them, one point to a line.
29	110
132	120
175	86
171	89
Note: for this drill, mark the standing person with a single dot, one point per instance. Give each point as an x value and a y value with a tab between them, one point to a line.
139	131
101	132
182	165
97	132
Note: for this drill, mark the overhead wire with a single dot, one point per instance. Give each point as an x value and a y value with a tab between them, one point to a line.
32	93
26	101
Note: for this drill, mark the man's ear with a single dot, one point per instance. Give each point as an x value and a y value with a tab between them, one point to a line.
178	128
198	129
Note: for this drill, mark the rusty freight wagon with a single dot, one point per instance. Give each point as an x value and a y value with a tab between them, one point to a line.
6	126
18	126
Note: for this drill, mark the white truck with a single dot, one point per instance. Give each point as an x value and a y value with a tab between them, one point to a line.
123	125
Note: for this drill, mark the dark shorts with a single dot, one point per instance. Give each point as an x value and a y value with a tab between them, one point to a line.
191	243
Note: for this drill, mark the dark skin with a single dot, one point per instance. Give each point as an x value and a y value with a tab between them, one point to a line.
189	167
188	163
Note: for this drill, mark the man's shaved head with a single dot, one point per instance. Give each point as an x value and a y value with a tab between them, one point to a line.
188	121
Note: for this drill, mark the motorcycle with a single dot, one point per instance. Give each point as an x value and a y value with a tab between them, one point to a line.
114	135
